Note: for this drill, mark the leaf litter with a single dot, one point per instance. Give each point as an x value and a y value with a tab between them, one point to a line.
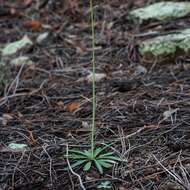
50	107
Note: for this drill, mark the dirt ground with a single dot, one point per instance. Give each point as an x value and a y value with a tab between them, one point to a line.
49	107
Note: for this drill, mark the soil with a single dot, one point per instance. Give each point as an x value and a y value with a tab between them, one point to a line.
48	105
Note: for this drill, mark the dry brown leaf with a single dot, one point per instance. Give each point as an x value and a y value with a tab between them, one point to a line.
34	25
7	116
60	104
32	140
73	107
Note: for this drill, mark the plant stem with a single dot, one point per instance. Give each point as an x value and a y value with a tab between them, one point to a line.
93	81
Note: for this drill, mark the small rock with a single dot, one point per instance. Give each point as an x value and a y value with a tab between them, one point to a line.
42	38
17	146
140	70
98	77
89	78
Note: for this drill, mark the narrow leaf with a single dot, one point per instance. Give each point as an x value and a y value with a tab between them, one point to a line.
107	161
87	166
98	166
97	151
109	158
78	152
88	153
73	107
75	156
78	163
107	154
105	164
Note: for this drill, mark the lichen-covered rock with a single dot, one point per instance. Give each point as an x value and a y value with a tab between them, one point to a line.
22	60
165	45
14	47
161	11
9	57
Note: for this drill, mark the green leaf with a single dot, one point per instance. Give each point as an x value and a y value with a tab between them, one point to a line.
75	156
105	164
107	154
98	166
109	158
87	166
105	160
78	163
97	151
88	153
78	152
104	185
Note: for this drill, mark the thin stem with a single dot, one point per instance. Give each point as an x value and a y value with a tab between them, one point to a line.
93	81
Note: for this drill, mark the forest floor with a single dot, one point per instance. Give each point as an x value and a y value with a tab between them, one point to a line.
142	108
